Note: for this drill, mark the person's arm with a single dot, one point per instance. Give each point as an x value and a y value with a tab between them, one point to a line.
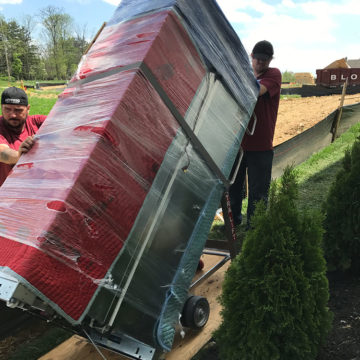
263	89
11	156
270	83
7	155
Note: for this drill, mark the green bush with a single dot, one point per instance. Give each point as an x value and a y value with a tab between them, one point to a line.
342	221
275	292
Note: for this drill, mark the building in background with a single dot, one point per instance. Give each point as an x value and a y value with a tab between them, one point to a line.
335	74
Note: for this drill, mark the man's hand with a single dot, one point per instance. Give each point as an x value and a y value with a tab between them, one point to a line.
10	156
26	145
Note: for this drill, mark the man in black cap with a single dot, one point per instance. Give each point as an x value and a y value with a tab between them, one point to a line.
258	147
17	128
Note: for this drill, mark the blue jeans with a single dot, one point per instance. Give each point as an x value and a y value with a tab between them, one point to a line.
258	165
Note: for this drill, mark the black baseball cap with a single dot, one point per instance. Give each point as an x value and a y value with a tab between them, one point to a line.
263	50
14	96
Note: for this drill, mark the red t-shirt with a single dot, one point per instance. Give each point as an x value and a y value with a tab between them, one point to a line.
13	140
266	110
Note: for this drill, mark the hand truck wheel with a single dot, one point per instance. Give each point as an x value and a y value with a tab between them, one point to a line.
195	312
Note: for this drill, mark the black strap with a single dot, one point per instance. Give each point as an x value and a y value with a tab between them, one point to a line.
105	74
184	125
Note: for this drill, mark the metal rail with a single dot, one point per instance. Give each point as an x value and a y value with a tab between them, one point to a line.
226	257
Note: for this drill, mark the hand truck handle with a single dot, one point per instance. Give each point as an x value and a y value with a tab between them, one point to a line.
241	152
254	125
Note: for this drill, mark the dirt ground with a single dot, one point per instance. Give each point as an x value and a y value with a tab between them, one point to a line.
299	114
344	340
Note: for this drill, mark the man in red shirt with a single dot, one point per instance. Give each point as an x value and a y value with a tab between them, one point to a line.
17	128
258	147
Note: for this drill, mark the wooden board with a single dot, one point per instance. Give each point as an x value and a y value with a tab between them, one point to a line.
78	348
186	348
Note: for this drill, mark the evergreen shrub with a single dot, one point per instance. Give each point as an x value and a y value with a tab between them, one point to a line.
342	210
275	292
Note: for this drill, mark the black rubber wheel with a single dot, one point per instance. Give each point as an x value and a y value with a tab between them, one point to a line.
195	312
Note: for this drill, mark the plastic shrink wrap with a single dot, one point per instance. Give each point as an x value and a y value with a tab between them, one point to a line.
105	220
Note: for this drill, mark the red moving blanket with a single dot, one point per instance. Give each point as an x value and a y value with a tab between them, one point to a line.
69	205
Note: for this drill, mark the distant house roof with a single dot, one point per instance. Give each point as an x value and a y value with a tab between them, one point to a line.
338	64
344	63
354	63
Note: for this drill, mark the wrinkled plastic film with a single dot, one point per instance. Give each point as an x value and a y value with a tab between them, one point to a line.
106	217
212	34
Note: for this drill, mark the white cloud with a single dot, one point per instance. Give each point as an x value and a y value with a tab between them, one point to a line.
112	2
306	35
288	3
238	17
345	7
10	2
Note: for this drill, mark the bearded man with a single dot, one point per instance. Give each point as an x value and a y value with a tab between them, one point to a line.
17	128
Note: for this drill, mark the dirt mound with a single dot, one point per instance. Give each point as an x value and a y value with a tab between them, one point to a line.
299	114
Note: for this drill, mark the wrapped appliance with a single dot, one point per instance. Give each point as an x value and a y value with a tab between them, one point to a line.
105	219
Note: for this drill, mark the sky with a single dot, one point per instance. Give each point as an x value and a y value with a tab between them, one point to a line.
306	34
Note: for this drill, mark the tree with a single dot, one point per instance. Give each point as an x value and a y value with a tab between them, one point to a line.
31	57
80	40
288	76
342	221
65	46
75	48
275	292
56	57
57	25
17	66
20	53
4	44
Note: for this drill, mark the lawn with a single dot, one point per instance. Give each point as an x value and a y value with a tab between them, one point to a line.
319	171
41	101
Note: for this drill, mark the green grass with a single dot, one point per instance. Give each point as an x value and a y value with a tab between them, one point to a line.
292	96
50	82
41	101
4	83
315	177
41	105
318	172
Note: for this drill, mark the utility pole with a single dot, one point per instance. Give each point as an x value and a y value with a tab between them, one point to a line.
339	111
